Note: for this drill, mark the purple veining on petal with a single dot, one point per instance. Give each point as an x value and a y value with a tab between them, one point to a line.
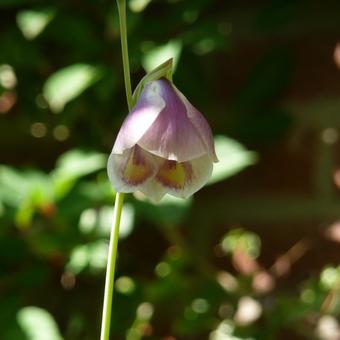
174	175
172	135
115	166
135	167
200	172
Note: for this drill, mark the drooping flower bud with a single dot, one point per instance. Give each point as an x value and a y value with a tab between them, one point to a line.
164	145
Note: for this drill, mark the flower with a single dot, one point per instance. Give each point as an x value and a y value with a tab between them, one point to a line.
164	145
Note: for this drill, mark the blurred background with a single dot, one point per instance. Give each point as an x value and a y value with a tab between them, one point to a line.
253	255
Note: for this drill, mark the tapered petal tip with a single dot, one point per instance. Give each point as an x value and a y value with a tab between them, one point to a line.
201	126
184	179
153	190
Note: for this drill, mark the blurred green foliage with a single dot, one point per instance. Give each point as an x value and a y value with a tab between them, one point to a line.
182	273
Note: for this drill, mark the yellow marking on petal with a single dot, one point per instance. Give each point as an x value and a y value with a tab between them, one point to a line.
173	174
136	170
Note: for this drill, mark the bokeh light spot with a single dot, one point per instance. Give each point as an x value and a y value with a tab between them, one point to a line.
7	101
125	285
329	136
145	311
163	269
205	46
38	130
248	311
336	55
61	132
330	277
200	306
87	221
263	282
41	101
333	231
227	281
68	280
328	328
308	296
8	80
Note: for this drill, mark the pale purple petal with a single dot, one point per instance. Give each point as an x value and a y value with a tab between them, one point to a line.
164	146
199	171
139	120
172	135
201	125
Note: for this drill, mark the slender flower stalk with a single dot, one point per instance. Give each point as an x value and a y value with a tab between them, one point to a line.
110	269
125	52
112	255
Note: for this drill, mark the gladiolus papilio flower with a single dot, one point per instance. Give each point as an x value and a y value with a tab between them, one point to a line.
164	146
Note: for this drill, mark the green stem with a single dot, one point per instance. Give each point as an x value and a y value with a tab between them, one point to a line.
110	269
111	262
125	53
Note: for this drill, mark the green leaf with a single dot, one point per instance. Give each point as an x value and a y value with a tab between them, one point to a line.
38	324
16	187
33	22
68	83
92	255
24	214
233	157
13	186
77	163
74	165
25	191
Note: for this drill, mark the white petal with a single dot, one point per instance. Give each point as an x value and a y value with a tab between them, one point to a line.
119	167
201	169
115	165
142	116
153	190
200	124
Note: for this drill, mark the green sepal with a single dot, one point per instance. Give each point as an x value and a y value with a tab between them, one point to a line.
162	71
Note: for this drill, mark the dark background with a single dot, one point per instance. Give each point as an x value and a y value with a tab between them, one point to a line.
254	255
